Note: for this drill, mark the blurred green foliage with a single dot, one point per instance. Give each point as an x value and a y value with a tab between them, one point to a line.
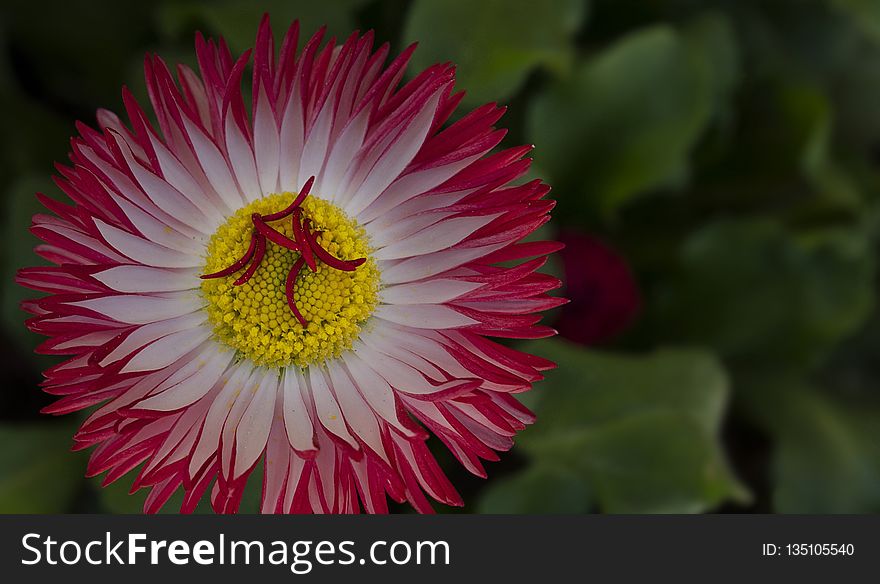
630	114
729	149
39	474
639	434
494	58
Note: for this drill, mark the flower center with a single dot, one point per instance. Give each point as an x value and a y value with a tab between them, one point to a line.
277	304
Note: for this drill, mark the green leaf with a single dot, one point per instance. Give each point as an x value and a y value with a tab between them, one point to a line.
782	153
753	291
659	462
624	124
237	20
74	53
712	36
864	13
494	43
828	457
34	136
253	491
18	251
538	489
642	432
116	498
807	111
38	473
827	447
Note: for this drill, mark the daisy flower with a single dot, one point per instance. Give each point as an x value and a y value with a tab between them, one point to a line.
305	279
605	299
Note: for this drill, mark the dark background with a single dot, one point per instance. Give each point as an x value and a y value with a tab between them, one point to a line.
716	167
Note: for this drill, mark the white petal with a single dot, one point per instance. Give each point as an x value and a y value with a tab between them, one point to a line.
277	462
151	332
162	194
180	440
166	350
266	144
128	190
426	316
194	387
401	347
403	228
327	409
423	343
325	464
158	232
143	251
358	414
411	185
148	279
401	376
482	421
294	476
95	339
189	364
435	238
291	140
427	292
214	165
421	267
417	206
395	373
243	399
137	309
180	178
78	237
242	159
142	387
253	428
343	153
227	391
395	159
315	148
375	390
297	420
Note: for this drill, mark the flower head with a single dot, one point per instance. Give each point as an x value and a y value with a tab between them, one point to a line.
309	281
604	296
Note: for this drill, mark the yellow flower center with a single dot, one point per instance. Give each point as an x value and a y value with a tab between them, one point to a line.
255	317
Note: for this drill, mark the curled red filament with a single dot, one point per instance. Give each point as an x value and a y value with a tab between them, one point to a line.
273	234
258	257
325	256
304	241
289	287
298	233
239	264
303	193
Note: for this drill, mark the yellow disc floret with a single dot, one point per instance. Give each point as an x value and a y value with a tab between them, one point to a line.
255	318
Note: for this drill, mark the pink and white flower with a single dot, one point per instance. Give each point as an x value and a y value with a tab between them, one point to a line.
309	282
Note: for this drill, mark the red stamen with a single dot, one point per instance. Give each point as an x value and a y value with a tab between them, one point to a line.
238	264
258	257
304	241
325	256
273	234
303	193
288	289
299	235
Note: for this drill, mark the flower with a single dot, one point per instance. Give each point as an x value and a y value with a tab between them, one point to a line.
310	284
604	296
